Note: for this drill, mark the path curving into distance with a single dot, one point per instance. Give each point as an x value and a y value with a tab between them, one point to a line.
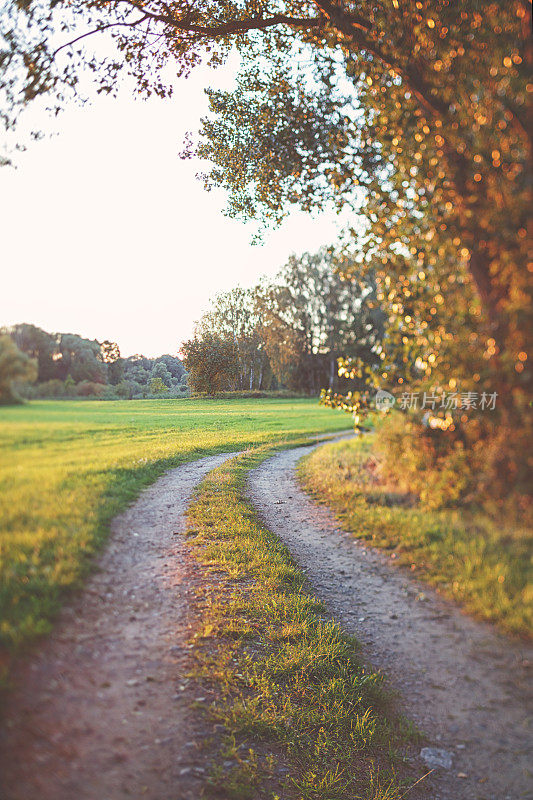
100	711
460	681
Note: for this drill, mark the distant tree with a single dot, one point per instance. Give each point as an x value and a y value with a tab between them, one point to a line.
14	366
140	369
61	354
115	371
126	389
311	316
233	316
66	360
161	373
81	358
173	365
135	369
211	362
157	386
39	345
115	364
293	329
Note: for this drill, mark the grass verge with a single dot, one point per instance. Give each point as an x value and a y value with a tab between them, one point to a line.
303	718
482	565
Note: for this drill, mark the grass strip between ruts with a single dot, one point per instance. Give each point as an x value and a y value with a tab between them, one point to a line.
303	718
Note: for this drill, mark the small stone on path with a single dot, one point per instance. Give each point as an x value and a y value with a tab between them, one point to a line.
435	757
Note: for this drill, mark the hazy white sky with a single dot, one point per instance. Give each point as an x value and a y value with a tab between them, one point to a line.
107	233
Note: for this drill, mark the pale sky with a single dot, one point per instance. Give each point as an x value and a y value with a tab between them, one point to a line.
107	233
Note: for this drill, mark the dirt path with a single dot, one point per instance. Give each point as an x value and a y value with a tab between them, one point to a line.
460	681
100	712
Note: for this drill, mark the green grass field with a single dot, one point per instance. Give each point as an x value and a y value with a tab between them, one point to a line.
483	565
67	468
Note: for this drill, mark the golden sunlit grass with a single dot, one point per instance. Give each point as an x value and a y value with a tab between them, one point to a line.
483	565
303	718
68	467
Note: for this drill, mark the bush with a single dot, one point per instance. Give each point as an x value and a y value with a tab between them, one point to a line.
422	461
109	393
476	464
90	389
52	388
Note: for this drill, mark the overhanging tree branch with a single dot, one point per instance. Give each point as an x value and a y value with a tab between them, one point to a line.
99	30
217	29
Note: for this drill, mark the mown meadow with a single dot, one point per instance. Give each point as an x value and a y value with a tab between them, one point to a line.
67	467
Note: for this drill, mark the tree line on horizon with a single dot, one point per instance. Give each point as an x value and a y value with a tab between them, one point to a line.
62	365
